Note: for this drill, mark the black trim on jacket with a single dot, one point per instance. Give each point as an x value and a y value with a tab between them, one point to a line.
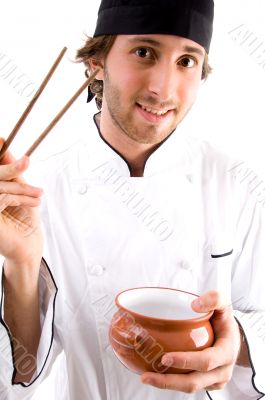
222	255
251	364
10	336
117	152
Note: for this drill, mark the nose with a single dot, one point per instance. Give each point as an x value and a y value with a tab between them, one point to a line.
162	81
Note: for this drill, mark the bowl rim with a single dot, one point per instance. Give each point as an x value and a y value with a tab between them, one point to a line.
204	317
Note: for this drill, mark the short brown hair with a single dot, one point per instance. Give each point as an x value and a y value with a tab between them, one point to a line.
99	47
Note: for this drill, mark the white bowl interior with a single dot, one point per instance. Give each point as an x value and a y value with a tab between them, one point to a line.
159	303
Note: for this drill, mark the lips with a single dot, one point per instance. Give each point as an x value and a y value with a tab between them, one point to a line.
154	111
153	115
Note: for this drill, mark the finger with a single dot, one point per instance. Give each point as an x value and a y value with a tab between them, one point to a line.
7	158
14	170
181	382
19	189
187	383
217	386
8	200
205	360
210	301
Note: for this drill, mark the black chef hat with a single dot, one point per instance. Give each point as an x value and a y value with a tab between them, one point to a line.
192	19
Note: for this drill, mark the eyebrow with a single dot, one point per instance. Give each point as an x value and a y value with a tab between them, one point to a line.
146	40
153	42
193	49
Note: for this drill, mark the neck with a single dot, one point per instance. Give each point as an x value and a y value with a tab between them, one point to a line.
135	153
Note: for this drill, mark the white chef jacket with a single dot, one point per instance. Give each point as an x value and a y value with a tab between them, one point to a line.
191	222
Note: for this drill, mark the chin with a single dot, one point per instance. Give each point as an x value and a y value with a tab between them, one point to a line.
151	139
147	140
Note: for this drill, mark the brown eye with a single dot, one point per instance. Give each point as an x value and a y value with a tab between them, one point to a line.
143	52
187	62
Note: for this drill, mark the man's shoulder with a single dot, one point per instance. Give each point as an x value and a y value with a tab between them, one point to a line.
60	158
230	173
209	157
49	167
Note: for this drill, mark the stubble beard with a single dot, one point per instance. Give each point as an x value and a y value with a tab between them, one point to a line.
124	122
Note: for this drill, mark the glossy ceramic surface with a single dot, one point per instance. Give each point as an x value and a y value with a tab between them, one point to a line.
153	321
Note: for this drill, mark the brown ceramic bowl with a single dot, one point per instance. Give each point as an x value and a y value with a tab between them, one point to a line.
152	321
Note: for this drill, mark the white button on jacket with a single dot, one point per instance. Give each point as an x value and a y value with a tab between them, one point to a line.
191	222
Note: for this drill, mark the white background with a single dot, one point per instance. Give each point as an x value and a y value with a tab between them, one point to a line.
230	108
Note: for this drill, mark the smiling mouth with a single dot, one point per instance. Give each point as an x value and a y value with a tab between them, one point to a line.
153	111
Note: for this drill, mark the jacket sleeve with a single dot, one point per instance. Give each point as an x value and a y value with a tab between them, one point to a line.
249	295
248	281
247	227
48	349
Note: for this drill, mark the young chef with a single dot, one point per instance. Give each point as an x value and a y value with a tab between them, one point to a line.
133	203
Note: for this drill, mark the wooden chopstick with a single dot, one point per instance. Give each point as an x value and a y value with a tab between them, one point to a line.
31	104
60	114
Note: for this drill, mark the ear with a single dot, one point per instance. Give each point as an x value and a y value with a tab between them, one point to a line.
96	63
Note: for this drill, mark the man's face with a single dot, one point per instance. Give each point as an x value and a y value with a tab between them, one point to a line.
150	83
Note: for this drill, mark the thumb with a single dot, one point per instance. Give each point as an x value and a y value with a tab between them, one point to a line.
209	301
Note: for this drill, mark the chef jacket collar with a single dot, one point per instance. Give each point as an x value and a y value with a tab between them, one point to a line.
175	152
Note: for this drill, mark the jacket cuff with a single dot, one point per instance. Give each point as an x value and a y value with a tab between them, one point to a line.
47	292
251	380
